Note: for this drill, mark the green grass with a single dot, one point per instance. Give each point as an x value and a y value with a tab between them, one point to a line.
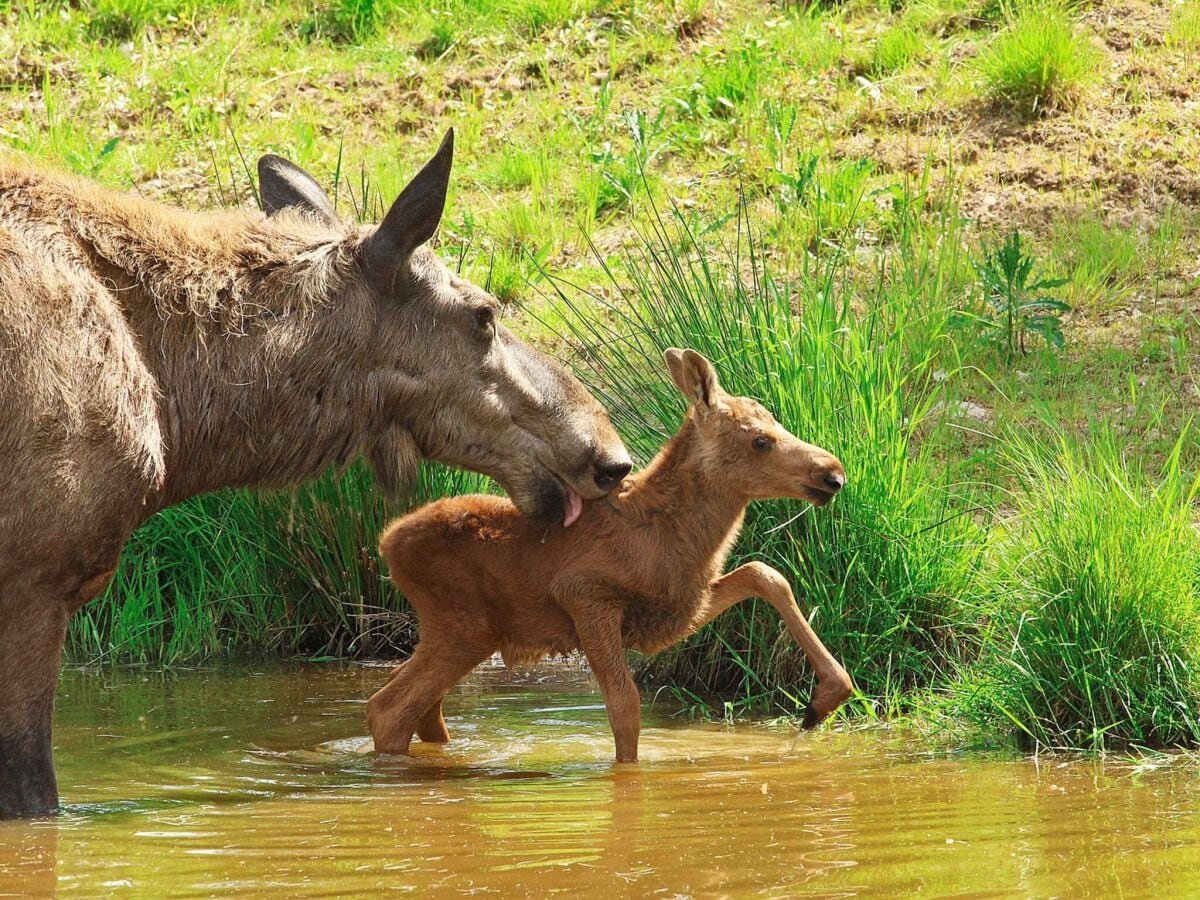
1184	30
882	570
344	21
1103	261
1096	641
896	48
236	574
1039	62
577	122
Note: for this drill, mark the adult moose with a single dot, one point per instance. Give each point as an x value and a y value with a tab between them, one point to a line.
149	354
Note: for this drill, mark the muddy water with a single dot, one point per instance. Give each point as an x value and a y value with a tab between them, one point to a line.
258	781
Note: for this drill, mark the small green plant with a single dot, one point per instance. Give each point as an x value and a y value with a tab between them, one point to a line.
1184	30
617	177
691	16
344	21
1038	63
896	48
821	204
723	88
442	38
1015	304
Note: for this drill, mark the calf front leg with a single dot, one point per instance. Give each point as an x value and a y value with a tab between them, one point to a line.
599	631
757	579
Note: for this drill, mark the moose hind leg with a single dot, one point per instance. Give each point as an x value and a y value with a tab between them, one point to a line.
33	626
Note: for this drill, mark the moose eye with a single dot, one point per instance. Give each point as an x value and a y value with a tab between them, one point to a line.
485	320
762	442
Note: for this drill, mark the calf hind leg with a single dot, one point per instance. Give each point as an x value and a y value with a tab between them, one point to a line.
432	729
411	702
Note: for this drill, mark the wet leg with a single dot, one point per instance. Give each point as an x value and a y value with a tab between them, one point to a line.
760	580
33	626
432	729
397	710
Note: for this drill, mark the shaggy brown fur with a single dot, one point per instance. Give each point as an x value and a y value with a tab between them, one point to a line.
642	569
149	354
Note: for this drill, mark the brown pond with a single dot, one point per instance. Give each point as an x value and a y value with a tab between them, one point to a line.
257	781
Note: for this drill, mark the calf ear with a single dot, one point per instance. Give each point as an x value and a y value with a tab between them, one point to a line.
415	215
284	185
695	377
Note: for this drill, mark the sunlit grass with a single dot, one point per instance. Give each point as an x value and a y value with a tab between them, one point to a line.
880	571
1096	635
1039	61
1184	29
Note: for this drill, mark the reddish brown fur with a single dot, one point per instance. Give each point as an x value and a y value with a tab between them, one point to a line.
641	569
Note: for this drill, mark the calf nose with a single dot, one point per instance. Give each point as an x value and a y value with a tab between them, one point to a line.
609	474
835	478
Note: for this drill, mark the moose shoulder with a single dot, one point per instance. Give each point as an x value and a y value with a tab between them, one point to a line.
149	354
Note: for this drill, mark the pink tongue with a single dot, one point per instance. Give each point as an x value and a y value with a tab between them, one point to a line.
574	506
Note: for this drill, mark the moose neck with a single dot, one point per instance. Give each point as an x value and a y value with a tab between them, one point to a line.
706	510
253	337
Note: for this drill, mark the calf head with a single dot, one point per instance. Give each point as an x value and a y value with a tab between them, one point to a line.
744	447
449	382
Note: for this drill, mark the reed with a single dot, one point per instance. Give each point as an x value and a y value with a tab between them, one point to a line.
883	568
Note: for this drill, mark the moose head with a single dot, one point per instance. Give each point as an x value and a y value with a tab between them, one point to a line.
449	381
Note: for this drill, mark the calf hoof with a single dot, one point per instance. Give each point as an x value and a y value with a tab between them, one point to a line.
812	718
392	747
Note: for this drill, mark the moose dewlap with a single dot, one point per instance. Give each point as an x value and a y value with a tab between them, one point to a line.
640	568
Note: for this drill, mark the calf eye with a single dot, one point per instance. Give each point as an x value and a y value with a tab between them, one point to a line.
762	442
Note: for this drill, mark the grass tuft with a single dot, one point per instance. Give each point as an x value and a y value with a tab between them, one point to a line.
1098	645
1184	29
881	570
896	48
1038	63
344	21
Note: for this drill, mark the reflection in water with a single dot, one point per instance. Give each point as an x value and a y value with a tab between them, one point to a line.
234	782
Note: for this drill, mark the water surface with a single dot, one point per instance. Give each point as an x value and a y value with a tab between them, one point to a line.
261	781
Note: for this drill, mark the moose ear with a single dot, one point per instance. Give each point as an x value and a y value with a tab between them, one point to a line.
415	215
695	377
284	185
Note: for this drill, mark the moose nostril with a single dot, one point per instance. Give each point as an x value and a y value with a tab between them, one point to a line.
835	480
609	475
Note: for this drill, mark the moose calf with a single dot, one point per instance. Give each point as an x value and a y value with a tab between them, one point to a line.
641	569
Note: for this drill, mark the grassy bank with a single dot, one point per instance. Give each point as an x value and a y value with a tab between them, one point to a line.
953	241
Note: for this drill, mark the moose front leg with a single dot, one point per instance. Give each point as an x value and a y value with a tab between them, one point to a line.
33	626
757	579
599	631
